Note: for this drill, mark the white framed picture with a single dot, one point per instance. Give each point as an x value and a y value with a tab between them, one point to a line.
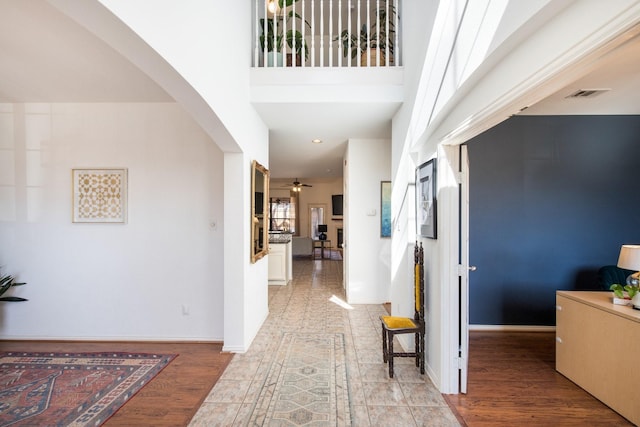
100	195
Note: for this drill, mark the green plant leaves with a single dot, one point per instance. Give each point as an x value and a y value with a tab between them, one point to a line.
13	299
619	290
631	290
286	3
7	282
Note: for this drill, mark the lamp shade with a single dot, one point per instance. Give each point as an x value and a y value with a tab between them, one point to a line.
629	257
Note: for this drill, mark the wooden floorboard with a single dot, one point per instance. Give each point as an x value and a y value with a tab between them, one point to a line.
513	382
172	397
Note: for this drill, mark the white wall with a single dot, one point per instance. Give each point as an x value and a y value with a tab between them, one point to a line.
208	77
111	281
368	255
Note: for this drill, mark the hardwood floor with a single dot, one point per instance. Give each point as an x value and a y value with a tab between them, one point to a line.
513	382
173	396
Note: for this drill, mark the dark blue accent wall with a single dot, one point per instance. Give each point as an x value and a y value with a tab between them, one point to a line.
552	199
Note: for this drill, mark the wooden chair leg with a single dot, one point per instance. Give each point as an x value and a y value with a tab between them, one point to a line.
390	354
422	354
384	345
417	349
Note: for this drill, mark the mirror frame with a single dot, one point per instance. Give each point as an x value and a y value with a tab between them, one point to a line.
258	220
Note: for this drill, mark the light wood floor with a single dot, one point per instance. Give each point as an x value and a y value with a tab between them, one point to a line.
513	382
172	397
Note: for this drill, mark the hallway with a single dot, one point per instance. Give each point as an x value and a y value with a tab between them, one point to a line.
307	310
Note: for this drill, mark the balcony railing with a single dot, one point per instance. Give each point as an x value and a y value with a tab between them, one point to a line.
327	33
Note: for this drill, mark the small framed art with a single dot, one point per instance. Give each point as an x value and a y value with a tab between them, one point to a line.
99	195
426	203
385	209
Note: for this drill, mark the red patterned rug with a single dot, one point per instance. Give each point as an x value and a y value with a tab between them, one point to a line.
71	389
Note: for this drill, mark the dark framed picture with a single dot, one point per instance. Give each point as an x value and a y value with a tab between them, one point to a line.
385	209
426	203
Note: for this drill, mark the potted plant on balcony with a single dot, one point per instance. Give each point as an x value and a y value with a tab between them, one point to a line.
297	43
273	37
273	42
373	41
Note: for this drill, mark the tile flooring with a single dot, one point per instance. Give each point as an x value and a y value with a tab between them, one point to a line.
305	306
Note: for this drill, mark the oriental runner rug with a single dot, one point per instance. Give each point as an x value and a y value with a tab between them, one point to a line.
71	389
306	384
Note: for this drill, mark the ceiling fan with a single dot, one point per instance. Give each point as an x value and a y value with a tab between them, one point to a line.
297	186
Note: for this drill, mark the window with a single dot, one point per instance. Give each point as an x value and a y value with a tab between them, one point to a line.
316	217
283	214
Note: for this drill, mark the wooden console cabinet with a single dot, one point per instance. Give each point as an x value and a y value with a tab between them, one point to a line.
598	348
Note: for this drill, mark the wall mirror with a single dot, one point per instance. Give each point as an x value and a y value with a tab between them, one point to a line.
259	211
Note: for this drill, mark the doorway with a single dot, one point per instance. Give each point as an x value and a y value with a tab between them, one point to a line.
316	218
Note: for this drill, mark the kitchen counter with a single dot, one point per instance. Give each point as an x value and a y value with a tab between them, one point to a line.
279	238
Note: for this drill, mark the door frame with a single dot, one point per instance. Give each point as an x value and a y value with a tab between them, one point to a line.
454	267
464	267
448	207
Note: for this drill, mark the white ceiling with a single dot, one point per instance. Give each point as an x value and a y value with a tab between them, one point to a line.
618	70
47	57
293	127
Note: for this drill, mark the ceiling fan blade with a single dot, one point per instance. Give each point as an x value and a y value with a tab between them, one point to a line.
306	185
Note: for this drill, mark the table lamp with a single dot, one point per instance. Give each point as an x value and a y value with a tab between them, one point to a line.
629	259
322	229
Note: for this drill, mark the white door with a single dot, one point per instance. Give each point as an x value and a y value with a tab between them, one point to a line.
454	319
465	269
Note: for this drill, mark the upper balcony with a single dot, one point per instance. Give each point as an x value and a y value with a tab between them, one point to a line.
326	33
327	52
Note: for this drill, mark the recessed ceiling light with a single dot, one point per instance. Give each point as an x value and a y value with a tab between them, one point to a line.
316	141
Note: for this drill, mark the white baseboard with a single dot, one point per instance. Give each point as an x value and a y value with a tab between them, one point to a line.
234	349
511	328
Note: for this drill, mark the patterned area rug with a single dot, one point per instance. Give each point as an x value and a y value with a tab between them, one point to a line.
307	383
71	389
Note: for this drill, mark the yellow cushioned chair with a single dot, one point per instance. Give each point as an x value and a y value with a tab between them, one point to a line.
394	325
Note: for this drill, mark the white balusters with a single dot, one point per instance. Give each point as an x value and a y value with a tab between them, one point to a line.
330	34
339	48
313	33
322	3
387	57
349	24
371	33
304	40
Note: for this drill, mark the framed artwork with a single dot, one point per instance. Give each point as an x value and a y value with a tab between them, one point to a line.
385	209
426	207
100	195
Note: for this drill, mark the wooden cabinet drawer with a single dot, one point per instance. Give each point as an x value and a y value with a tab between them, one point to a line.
599	350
